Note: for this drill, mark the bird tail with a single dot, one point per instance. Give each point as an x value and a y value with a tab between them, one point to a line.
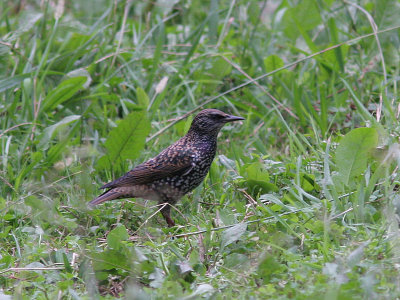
107	195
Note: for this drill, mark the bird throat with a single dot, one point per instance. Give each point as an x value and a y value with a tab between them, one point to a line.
203	135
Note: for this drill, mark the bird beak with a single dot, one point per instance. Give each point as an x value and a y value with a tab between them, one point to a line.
230	118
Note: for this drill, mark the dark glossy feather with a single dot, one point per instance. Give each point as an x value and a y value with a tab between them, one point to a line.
159	167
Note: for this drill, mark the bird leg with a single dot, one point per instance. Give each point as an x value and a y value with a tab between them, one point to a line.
166	214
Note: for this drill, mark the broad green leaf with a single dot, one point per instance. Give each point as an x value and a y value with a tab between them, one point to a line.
142	97
273	62
256	171
392	55
184	267
220	68
6	260
56	150
308	183
273	199
4	232
306	14
81	73
126	140
26	22
50	131
44	210
356	255
202	290
226	162
67	265
329	2
235	260
233	234
8	83
156	281
268	266
257	179
109	259
116	236
40	206
226	216
63	92
353	152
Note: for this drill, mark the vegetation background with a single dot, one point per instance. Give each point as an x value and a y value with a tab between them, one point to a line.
302	200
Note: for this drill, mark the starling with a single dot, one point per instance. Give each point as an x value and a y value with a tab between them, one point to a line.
177	170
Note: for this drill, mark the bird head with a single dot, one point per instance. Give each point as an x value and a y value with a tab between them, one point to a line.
211	121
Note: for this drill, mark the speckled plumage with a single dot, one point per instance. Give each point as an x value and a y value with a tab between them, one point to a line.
177	170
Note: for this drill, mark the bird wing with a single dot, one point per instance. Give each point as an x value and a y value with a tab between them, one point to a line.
159	167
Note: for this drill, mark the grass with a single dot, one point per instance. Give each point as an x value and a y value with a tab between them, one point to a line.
302	198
